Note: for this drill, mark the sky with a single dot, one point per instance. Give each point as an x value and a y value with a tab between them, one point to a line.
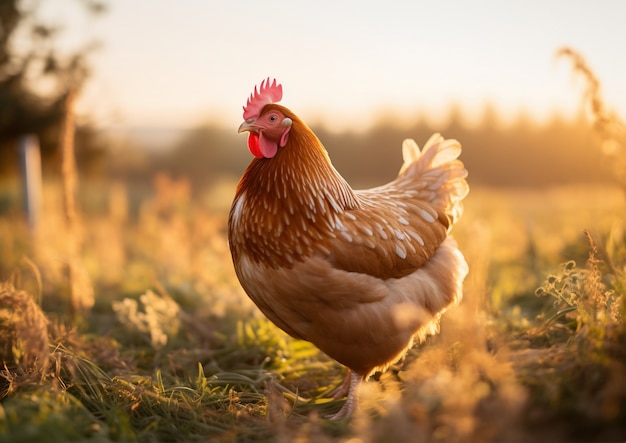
345	64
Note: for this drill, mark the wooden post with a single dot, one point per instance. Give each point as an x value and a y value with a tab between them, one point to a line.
30	159
81	291
68	162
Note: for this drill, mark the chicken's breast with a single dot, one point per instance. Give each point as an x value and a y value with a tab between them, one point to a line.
360	320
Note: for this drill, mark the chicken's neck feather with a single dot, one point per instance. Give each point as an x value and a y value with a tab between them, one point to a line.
286	207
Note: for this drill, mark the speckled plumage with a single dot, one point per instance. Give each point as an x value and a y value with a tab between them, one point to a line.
359	273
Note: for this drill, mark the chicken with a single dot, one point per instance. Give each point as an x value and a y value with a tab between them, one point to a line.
362	274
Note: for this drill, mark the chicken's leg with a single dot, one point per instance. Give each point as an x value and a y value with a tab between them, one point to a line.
352	401
342	390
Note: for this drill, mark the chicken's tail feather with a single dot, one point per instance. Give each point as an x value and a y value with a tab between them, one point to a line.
436	173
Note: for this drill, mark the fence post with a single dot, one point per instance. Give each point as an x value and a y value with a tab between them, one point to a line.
81	291
30	161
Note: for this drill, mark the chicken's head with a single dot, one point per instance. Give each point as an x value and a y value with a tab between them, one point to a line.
268	127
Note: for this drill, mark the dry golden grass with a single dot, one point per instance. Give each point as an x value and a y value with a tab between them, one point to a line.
174	350
608	125
25	348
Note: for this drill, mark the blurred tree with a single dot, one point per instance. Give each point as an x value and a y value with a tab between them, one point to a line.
30	59
522	153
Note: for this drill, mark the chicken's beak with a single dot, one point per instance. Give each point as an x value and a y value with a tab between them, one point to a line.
247	126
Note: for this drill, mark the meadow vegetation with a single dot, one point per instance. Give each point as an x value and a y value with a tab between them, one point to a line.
173	350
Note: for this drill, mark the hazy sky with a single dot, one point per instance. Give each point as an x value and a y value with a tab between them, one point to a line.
179	63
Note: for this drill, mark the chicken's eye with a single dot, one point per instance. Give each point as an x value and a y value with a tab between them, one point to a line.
273	117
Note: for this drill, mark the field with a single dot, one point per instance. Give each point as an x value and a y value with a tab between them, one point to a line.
142	333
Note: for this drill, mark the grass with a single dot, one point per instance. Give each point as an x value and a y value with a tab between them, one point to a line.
174	351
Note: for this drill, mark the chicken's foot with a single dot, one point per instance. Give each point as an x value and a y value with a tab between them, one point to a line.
352	401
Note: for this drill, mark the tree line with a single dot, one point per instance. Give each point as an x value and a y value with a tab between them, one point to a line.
522	154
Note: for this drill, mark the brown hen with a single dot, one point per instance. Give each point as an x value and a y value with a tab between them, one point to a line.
361	274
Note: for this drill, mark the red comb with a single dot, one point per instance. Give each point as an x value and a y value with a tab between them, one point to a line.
266	94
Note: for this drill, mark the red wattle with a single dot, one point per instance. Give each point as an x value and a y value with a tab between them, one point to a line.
253	145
